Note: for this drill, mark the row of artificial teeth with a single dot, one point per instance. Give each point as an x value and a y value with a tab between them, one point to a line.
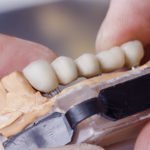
45	77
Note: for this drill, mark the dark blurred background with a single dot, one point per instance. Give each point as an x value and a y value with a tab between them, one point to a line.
69	27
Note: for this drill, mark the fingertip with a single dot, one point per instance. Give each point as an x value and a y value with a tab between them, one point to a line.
120	25
104	40
16	53
143	140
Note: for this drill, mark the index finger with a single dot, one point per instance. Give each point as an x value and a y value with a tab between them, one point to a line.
16	53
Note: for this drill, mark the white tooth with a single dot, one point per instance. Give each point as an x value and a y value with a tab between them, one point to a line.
41	76
134	52
112	59
65	69
88	65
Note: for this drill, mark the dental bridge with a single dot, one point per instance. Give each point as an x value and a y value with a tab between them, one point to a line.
46	77
115	102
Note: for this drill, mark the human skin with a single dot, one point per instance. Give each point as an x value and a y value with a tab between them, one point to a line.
143	141
16	53
126	20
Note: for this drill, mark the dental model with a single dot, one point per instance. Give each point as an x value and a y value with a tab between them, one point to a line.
88	65
41	76
134	52
32	104
78	93
65	69
111	60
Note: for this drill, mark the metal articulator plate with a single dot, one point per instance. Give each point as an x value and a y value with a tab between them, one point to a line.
51	131
54	130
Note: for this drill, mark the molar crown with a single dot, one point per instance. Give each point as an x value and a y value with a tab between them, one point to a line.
134	52
88	65
111	59
41	76
65	69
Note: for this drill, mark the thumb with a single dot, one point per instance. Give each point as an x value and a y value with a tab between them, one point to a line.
126	20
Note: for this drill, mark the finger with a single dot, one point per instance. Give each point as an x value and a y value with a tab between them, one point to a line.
143	141
126	20
77	147
16	53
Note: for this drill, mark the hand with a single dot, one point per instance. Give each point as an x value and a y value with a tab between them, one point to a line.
127	20
17	53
